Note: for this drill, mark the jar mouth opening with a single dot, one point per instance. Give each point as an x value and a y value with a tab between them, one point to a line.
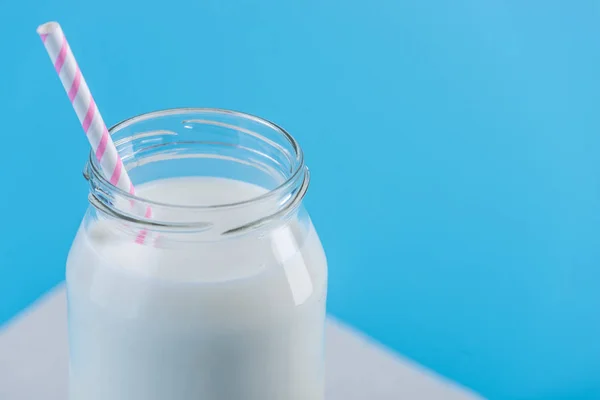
296	175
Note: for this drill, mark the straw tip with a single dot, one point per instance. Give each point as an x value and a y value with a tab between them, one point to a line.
48	28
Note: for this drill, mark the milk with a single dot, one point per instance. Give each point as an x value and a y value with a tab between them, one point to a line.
236	318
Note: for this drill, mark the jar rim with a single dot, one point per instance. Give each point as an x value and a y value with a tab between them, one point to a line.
299	171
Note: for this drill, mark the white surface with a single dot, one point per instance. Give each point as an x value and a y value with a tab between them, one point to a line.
33	362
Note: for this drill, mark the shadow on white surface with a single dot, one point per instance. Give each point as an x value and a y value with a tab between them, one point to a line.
33	362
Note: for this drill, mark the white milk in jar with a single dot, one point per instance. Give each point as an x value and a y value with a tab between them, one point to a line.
196	314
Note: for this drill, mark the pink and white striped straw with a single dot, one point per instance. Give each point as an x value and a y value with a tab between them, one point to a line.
93	125
81	98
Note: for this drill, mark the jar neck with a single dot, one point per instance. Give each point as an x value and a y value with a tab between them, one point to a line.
213	143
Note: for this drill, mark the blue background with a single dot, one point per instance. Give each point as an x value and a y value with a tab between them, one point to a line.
454	147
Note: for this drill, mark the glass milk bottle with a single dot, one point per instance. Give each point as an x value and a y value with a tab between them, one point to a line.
220	293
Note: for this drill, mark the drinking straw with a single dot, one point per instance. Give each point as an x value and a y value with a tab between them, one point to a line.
85	107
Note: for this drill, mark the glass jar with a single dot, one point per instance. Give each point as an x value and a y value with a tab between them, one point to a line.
220	294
